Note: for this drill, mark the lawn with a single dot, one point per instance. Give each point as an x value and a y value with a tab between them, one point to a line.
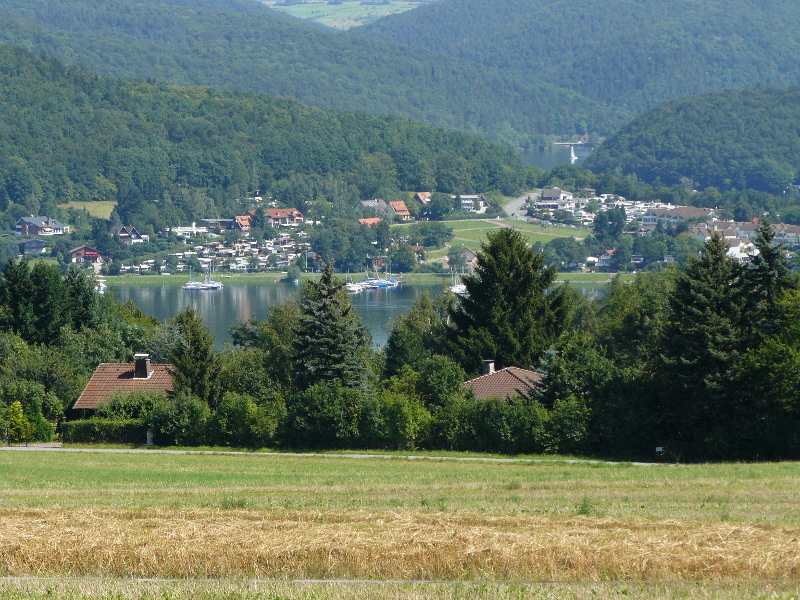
101	209
347	14
711	530
471	233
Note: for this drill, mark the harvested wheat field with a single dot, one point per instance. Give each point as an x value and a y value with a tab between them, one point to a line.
388	590
279	544
711	531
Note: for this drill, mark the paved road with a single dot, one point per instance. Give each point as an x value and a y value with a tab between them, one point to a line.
515	206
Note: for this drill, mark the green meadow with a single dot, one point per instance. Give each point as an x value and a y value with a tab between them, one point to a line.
345	15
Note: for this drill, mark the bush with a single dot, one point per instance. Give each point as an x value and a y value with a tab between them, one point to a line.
132	405
406	418
326	415
109	431
505	425
180	421
241	422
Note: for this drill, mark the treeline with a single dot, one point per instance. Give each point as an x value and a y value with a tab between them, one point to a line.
245	46
174	155
729	140
697	361
627	54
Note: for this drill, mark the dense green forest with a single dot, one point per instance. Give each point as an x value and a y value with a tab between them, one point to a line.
729	140
169	155
240	44
626	53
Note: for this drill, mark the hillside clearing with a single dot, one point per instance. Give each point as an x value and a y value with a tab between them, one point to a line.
345	15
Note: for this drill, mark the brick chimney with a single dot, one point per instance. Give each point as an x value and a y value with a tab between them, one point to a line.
141	369
488	367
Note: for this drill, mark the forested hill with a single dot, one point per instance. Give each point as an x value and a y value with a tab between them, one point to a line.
733	139
628	53
243	45
170	154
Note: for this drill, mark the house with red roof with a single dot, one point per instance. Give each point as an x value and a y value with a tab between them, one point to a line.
112	378
85	254
505	383
284	217
423	197
400	210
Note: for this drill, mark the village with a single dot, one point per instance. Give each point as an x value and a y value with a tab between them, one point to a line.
226	244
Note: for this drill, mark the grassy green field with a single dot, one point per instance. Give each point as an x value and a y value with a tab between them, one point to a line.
347	14
737	493
101	209
389	527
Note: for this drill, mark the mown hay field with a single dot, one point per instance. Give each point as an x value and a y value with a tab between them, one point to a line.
345	15
706	530
101	209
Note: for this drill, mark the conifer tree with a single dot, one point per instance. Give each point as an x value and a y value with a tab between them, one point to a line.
331	342
767	277
506	314
702	342
196	365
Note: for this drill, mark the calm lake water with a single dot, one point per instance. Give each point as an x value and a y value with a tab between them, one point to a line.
239	301
553	156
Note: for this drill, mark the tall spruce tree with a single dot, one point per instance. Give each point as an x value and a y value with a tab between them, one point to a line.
702	342
507	314
766	279
331	343
196	366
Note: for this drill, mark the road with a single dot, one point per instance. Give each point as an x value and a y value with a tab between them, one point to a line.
514	208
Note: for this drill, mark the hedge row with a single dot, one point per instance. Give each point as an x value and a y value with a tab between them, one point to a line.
92	431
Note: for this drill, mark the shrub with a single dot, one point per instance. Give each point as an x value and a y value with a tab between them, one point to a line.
241	422
93	431
132	405
182	420
326	415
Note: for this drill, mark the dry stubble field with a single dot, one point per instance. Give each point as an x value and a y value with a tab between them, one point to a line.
83	525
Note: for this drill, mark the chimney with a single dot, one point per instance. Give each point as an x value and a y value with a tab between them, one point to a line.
488	367
142	368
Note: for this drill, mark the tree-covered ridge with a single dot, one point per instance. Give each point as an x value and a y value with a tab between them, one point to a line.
250	47
733	139
171	154
627	53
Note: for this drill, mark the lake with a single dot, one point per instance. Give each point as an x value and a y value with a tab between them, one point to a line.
554	155
241	300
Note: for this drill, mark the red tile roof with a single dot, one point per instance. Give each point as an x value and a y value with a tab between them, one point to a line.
400	208
504	383
283	213
423	197
370	221
114	377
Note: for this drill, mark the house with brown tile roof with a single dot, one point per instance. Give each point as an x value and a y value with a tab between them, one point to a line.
370	221
283	217
505	383
242	222
111	378
400	210
423	197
